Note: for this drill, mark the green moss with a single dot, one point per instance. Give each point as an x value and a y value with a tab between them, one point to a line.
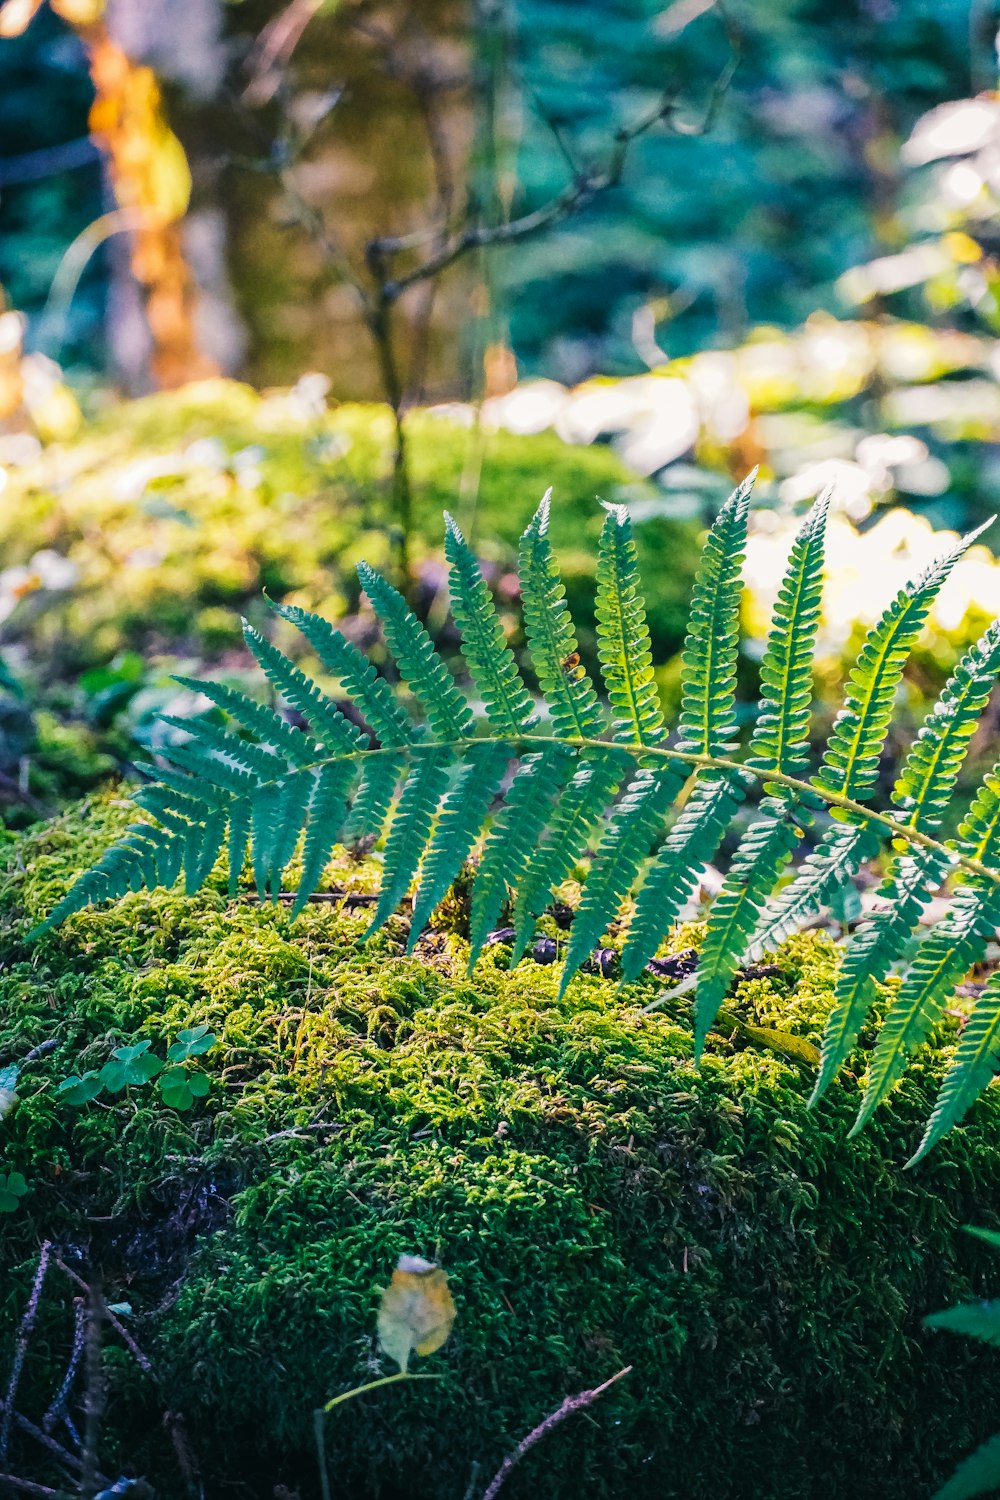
596	1198
179	509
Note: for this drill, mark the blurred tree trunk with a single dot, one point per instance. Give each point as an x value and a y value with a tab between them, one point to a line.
149	175
181	41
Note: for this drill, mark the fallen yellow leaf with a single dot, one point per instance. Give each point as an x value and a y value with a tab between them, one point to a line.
417	1312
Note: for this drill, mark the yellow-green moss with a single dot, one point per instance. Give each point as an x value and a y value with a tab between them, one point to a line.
596	1198
179	509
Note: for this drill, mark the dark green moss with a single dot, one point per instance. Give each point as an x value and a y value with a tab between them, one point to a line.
597	1200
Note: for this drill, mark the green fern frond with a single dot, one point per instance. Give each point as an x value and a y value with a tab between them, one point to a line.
850	764
238	839
380	775
260	720
944	955
410	829
757	864
923	792
927	780
277	816
623	644
324	823
176	810
630	834
826	870
583	803
708	660
568	691
975	1064
144	857
325	720
263	790
707	727
489	659
461	818
514	836
448	714
979	1474
229	753
203	843
780	740
369	692
977	1320
691	842
904	894
779	744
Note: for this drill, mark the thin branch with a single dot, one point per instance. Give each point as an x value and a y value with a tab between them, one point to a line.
93	1399
273	50
122	1332
586	184
63	1454
28	1487
309	218
570	1405
58	1406
21	1348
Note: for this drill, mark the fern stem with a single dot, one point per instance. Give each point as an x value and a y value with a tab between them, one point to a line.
696	760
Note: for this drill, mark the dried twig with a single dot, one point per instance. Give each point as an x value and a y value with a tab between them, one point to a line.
570	1405
28	1487
93	1399
21	1348
58	1405
274	49
122	1332
63	1454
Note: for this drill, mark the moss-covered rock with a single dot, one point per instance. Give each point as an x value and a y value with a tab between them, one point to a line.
179	509
597	1200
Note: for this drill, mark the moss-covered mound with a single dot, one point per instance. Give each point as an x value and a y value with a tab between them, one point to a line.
176	511
596	1199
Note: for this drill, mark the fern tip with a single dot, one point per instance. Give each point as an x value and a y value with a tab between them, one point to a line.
974	535
618	513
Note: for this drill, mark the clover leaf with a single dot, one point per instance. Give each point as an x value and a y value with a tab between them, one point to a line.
181	1088
191	1043
80	1090
130	1065
12	1189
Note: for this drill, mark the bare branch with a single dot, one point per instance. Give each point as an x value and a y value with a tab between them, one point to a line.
274	48
21	1347
122	1332
28	1487
570	1405
94	1395
587	182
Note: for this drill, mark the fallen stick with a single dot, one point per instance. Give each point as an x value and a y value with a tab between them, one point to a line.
570	1405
